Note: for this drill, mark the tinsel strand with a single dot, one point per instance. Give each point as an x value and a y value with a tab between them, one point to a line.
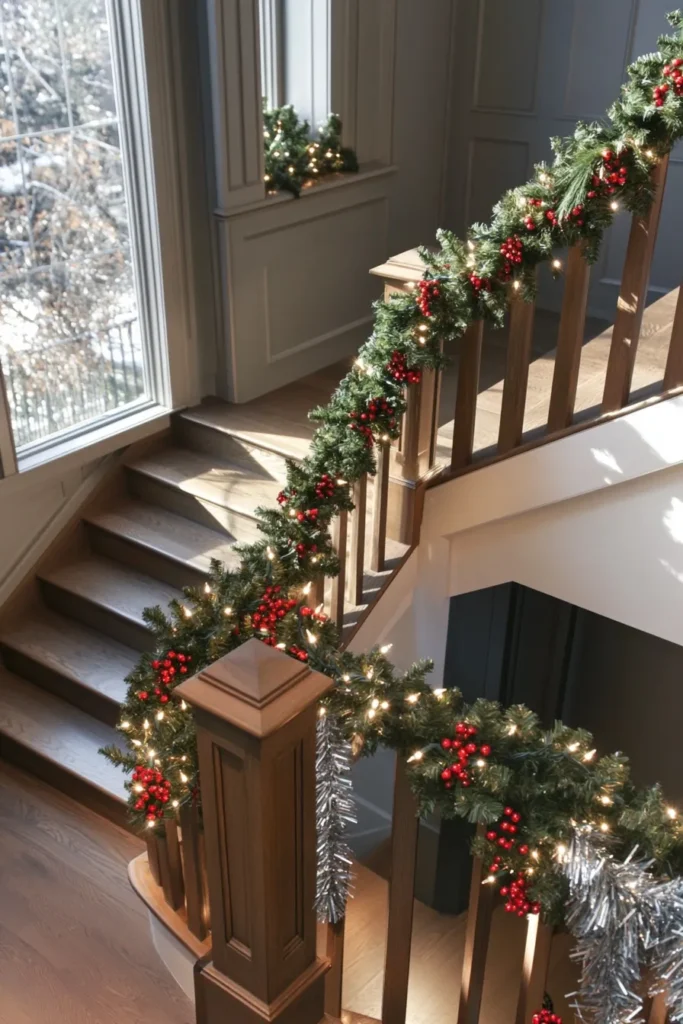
335	810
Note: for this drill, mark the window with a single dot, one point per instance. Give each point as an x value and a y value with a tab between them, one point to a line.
74	338
295	56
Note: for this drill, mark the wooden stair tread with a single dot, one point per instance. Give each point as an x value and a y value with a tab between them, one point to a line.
209	479
286	435
111	585
58	733
173	536
70	649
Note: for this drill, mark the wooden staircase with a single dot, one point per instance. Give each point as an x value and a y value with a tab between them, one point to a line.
76	629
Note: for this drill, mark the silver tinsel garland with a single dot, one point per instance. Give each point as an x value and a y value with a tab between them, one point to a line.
629	930
335	810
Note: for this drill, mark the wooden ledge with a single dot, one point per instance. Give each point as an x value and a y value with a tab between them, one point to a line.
152	896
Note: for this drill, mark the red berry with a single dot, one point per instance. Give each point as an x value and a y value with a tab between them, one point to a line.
491	836
485	750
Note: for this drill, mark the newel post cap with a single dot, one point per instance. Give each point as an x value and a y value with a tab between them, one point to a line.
256	688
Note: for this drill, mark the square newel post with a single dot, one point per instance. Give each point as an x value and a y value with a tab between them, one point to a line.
255	711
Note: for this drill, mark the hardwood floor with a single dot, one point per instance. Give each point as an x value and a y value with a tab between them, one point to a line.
75	946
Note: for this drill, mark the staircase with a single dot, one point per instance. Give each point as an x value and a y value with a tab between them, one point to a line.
69	641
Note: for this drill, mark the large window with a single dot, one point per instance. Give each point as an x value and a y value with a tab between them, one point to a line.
72	348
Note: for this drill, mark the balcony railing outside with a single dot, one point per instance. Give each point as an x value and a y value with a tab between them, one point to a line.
60	386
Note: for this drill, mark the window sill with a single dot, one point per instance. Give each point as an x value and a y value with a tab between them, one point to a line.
328	184
74	452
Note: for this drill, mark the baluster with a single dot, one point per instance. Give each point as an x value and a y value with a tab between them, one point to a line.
357	548
170	865
339	533
405	827
379	509
532	987
482	897
153	857
632	298
657	1011
194	871
516	374
334	952
569	341
466	397
318	592
673	374
8	455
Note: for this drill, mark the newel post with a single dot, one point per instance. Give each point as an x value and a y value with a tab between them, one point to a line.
255	711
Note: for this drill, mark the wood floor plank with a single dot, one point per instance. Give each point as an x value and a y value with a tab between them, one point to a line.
75	946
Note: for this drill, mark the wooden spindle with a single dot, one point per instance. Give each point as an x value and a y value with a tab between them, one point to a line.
407	451
379	509
656	1010
170	864
569	341
339	534
482	898
516	374
357	547
194	871
317	595
532	987
673	374
632	298
405	828
153	857
469	367
334	952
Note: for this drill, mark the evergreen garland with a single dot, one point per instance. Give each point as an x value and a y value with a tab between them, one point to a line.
491	765
293	158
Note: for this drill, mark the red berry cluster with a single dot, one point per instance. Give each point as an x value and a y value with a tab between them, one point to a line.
507	828
154	791
480	282
672	71
400	371
377	409
271	609
614	175
307	612
466	749
429	290
309	515
529	222
298	652
511	250
517	897
167	668
302	549
325	487
546	1017
577	215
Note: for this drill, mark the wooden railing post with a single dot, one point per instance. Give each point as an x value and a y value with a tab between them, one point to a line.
255	711
569	341
469	366
479	911
520	340
632	297
404	833
539	939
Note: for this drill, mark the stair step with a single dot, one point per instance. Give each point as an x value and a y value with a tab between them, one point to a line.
198	486
59	743
71	661
273	425
150	538
107	596
194	430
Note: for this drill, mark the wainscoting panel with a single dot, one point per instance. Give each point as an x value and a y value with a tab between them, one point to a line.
299	292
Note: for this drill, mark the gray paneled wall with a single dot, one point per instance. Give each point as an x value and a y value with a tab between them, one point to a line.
528	70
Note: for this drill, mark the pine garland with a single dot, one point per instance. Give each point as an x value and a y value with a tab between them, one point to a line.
491	765
293	158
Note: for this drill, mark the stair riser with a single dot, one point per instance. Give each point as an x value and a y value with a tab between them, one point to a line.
251	457
97	617
93	703
58	776
206	513
144	559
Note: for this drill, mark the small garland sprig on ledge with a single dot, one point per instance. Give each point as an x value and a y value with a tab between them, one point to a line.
293	158
548	779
